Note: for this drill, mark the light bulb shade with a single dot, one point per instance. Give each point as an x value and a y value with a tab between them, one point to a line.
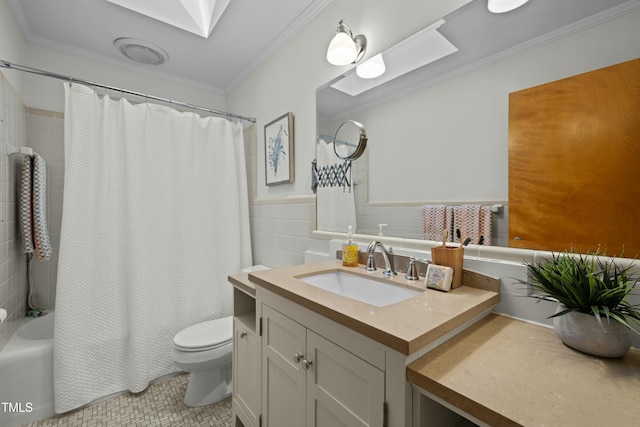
501	6
342	49
372	68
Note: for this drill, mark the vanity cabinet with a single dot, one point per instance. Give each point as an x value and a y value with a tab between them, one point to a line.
246	370
246	402
307	380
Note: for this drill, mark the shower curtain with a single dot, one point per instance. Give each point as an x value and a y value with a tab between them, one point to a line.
155	217
335	196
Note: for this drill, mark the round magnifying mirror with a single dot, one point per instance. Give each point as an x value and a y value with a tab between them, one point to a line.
350	140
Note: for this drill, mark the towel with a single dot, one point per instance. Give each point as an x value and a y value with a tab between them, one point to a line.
33	207
486	225
25	206
435	219
468	219
335	202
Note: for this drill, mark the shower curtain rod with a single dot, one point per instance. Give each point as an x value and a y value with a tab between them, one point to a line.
70	79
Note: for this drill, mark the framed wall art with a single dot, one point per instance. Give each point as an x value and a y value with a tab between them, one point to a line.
278	150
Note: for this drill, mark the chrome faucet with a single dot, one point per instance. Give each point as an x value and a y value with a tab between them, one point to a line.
387	255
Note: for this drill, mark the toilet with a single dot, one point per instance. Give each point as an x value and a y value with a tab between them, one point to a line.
204	350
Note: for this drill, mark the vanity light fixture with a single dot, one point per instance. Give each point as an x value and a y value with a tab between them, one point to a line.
501	6
371	68
344	48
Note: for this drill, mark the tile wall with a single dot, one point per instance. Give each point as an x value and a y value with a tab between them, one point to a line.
42	131
280	232
45	134
13	288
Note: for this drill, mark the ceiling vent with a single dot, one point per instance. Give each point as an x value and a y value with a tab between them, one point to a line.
140	51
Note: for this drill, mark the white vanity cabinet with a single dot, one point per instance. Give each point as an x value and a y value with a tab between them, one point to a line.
307	380
246	370
246	400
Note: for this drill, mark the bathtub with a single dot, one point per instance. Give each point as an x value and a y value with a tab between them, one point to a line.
26	373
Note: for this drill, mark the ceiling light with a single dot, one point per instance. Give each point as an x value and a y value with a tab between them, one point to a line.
501	6
196	16
141	51
344	48
372	68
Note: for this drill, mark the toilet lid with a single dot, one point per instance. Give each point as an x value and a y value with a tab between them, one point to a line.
205	335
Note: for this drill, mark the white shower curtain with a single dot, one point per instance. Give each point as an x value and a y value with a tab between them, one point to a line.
155	217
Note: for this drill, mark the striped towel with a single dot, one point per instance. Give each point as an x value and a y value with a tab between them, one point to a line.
435	219
466	218
474	221
486	224
25	206
33	207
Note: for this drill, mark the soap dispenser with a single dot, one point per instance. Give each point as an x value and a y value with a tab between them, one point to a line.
349	251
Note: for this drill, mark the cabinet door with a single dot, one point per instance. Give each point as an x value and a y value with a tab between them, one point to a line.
342	389
283	378
246	372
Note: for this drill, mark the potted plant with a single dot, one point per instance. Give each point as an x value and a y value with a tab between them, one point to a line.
594	315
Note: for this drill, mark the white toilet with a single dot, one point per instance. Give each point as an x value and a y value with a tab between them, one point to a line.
204	350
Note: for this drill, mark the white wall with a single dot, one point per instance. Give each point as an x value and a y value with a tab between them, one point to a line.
47	94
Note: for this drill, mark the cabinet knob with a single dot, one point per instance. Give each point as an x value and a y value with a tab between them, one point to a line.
297	357
243	334
306	364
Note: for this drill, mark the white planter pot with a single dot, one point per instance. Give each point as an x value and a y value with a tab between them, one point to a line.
582	332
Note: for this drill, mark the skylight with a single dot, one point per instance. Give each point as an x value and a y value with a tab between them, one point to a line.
196	16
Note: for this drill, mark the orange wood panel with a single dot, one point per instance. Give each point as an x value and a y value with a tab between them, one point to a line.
574	163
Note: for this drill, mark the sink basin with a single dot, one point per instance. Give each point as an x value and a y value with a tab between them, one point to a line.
360	288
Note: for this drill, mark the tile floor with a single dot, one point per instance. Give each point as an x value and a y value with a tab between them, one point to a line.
159	405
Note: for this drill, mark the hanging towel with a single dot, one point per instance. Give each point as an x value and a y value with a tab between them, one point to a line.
466	218
33	207
335	200
435	219
39	201
486	225
26	216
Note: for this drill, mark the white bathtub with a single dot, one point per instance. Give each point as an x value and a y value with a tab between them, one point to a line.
26	373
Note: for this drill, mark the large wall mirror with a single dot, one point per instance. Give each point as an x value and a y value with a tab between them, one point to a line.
438	134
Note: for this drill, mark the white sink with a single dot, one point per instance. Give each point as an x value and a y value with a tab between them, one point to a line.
360	288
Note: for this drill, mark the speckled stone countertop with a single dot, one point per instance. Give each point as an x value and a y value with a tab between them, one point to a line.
507	372
406	326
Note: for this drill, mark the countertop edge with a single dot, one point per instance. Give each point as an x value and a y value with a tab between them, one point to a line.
241	281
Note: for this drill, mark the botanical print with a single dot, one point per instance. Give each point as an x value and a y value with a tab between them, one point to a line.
278	150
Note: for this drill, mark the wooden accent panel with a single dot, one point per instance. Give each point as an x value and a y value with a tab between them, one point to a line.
574	163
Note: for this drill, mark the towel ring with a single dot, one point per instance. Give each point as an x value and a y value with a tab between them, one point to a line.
350	140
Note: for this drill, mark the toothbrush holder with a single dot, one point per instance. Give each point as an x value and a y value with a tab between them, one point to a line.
450	256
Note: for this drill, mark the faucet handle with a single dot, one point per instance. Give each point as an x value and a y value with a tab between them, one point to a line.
412	270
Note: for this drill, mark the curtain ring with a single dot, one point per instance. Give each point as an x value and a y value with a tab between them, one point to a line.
70	81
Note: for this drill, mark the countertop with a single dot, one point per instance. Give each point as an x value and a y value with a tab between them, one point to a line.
242	282
507	372
406	326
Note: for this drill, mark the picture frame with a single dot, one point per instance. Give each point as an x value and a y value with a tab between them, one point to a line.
279	150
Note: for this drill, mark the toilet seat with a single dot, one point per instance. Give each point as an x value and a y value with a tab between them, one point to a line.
205	336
